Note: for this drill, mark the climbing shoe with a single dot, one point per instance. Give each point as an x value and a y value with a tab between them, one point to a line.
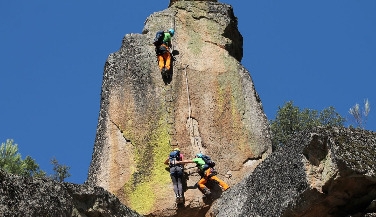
164	70
179	198
207	191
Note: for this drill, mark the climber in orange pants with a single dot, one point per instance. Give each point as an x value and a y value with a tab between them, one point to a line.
164	59
162	48
206	172
210	174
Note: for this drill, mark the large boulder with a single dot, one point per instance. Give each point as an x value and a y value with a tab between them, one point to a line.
210	105
327	172
25	196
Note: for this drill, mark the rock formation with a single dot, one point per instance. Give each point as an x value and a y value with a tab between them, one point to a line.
23	196
327	172
173	1
210	105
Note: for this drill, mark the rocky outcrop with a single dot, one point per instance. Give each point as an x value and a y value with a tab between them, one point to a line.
22	196
173	1
328	172
210	105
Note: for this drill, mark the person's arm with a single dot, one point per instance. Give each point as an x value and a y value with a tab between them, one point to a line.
167	162
185	161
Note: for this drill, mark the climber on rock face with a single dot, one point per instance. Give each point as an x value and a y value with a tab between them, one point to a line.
176	173
162	44
207	172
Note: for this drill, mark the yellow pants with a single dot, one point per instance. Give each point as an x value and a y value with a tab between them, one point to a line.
207	177
164	60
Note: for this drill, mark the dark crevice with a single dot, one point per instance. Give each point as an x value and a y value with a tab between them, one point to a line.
121	130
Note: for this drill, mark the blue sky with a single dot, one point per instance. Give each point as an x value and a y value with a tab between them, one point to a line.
52	53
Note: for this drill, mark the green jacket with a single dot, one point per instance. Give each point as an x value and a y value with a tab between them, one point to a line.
167	39
199	162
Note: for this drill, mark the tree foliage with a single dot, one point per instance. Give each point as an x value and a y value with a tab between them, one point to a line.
60	171
291	119
11	161
360	115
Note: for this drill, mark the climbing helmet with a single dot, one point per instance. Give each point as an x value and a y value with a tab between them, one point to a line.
171	31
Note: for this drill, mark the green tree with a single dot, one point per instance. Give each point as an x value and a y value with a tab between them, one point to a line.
11	161
291	119
61	171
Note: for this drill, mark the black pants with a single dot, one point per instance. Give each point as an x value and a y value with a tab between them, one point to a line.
176	173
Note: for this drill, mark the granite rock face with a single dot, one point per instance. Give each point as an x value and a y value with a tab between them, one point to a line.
328	172
22	196
173	1
210	105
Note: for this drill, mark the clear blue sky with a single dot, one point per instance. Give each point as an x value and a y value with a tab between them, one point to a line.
52	53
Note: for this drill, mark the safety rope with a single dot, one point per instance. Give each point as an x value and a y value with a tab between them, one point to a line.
195	142
169	95
171	40
174	28
189	101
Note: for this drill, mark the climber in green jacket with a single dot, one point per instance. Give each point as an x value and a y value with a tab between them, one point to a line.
163	51
207	173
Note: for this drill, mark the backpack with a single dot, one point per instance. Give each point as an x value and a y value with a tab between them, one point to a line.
208	161
174	156
158	40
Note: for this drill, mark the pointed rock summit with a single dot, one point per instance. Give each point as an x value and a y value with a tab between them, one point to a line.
173	1
209	105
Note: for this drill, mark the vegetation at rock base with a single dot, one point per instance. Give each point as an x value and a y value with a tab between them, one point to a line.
291	119
12	162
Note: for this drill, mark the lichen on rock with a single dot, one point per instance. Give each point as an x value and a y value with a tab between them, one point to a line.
143	117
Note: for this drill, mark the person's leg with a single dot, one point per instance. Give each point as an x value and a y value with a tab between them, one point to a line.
180	186
174	179
180	180
161	62
201	185
220	182
167	57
